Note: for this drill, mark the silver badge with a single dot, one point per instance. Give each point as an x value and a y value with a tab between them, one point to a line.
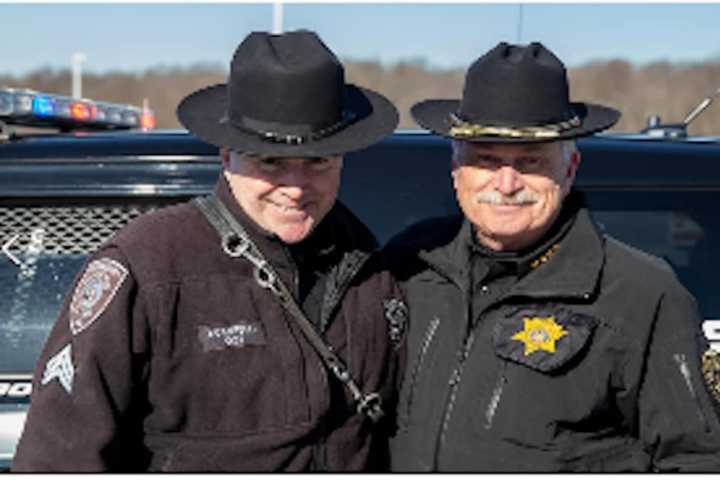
396	313
61	367
94	291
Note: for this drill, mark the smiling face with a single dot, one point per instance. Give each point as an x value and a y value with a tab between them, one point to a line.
512	193
285	196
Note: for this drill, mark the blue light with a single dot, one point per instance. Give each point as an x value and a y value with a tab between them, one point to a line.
43	106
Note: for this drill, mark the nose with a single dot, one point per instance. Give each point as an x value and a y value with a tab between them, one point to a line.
508	180
295	182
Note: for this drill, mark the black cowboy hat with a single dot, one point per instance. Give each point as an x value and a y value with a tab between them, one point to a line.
514	93
286	96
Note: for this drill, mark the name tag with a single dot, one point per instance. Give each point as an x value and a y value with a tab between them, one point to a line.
233	336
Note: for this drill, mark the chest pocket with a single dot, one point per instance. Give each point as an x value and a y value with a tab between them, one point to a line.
544	339
555	387
225	360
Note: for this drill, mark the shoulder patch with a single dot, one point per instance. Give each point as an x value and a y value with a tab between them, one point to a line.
396	313
94	291
60	367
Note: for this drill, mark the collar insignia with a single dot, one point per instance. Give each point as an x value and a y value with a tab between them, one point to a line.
396	313
545	256
539	333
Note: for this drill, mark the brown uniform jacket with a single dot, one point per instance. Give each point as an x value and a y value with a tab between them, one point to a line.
169	356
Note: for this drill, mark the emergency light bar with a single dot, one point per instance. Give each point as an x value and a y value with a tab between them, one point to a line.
27	107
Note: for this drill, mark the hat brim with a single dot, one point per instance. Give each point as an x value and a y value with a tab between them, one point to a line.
202	112
434	115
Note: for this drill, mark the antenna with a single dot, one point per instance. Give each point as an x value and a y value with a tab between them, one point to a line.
520	23
277	24
77	60
701	107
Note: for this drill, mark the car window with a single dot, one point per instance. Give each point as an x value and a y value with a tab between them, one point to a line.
681	227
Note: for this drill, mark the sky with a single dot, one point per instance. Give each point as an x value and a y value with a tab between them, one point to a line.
132	37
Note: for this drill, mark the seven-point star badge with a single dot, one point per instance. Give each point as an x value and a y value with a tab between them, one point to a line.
540	333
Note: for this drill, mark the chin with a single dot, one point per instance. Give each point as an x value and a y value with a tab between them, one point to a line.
294	233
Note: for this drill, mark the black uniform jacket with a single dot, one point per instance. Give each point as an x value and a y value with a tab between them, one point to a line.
589	362
187	364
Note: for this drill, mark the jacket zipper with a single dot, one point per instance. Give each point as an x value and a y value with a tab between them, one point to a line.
427	340
681	360
495	399
319	458
319	450
341	287
454	383
465	352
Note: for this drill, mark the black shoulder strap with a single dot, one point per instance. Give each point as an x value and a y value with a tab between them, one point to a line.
237	243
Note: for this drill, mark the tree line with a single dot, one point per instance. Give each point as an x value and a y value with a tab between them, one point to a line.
661	88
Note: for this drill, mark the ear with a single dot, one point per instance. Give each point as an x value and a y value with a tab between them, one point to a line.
454	172
454	163
225	157
571	170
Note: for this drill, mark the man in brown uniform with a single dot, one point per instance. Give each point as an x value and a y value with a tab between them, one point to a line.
179	347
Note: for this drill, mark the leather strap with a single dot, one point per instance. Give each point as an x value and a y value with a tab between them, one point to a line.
237	243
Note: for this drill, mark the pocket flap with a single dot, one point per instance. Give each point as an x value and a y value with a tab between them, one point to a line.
542	338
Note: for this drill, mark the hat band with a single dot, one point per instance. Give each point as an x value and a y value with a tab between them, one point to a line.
271	131
463	129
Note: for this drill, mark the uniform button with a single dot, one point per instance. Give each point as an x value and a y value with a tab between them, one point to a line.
484	289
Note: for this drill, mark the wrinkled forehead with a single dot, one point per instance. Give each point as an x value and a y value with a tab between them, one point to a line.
463	147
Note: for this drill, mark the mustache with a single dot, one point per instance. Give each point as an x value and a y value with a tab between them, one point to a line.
523	197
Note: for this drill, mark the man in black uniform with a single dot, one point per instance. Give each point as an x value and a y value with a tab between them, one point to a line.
537	343
252	330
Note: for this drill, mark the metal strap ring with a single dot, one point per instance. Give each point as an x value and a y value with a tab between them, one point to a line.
234	245
264	277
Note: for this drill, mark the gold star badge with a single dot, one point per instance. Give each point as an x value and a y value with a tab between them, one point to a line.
540	333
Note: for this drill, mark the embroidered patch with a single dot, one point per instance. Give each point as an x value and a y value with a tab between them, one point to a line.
60	367
233	336
539	333
711	372
542	337
94	291
396	313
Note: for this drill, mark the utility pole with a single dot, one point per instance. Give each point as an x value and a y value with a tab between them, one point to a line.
520	23
277	24
77	60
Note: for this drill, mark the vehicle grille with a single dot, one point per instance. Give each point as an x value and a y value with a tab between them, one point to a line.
64	230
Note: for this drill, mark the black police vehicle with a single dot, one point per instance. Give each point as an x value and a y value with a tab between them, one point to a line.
62	195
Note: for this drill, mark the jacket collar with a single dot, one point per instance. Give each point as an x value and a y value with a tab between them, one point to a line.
572	269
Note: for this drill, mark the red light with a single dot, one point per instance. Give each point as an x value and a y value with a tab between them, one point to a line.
80	111
147	120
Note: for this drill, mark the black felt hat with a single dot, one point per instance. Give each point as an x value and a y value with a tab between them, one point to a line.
514	93
286	96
